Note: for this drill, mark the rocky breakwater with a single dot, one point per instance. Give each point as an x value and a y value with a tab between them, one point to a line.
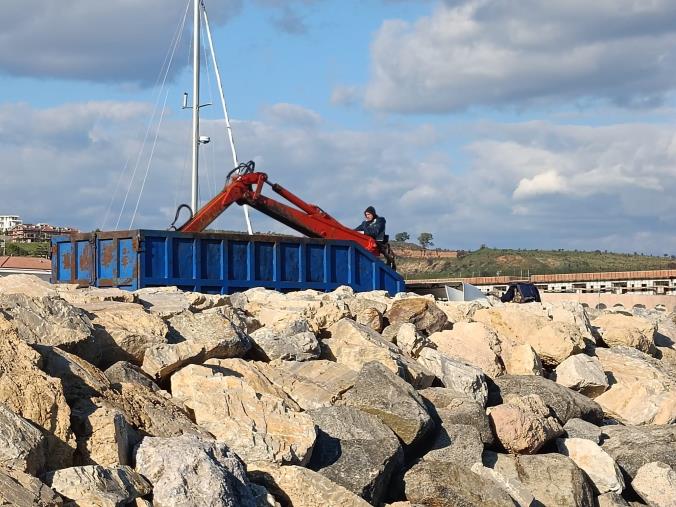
171	398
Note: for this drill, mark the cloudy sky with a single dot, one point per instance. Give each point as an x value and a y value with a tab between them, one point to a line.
511	123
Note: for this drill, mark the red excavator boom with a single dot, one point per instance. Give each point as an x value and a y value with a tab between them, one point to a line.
308	219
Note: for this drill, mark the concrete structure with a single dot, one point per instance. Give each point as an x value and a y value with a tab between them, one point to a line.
8	222
604	300
39	267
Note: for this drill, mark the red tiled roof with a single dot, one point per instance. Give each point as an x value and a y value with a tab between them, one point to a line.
12	262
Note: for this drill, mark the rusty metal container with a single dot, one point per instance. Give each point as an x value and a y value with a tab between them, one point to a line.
221	263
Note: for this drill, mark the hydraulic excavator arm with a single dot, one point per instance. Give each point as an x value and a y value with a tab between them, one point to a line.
305	218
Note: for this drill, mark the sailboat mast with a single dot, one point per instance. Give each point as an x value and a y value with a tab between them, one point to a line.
194	203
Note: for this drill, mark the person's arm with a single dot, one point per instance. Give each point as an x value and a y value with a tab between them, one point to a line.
361	227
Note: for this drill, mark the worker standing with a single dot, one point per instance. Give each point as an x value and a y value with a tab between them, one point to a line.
374	226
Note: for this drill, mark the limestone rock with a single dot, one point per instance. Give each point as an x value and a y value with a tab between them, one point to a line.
656	484
169	301
519	493
597	464
31	394
611	500
47	320
583	374
355	345
256	425
261	496
206	335
565	403
642	392
459	444
380	392
450	407
355	450
370	317
104	436
578	428
524	424
80	296
455	374
312	384
553	479
189	470
634	446
289	339
573	313
552	341
27	285
154	413
19	489
408	339
100	486
461	311
301	487
124	372
448	485
618	329
21	444
362	302
259	375
520	359
325	315
472	343
423	313
122	332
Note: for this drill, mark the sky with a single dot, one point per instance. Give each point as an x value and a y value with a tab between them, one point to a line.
509	123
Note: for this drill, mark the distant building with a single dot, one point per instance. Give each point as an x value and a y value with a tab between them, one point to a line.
29	233
8	222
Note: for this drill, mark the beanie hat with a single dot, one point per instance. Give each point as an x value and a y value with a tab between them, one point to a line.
371	210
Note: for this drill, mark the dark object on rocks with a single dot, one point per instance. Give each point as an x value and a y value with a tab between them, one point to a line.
521	293
565	403
356	450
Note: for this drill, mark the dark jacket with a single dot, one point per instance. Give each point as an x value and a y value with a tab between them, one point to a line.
375	228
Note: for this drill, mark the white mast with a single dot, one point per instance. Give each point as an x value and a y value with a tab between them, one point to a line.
228	127
194	203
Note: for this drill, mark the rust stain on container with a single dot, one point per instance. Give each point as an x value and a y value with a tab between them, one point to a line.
68	261
107	255
85	261
125	257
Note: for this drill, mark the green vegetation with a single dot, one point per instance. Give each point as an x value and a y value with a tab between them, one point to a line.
27	249
402	237
501	262
425	240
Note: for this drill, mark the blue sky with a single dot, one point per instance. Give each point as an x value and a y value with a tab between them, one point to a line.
525	124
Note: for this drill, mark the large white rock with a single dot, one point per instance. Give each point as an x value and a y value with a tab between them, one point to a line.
574	313
618	329
552	341
642	392
456	375
256	425
520	359
582	373
98	486
354	345
169	301
656	483
186	471
598	465
288	339
20	489
28	285
473	343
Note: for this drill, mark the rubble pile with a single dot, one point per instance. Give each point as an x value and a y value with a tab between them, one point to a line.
165	398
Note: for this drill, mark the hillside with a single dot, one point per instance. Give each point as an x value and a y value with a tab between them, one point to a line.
492	262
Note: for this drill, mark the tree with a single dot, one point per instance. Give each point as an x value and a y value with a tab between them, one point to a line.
425	240
402	236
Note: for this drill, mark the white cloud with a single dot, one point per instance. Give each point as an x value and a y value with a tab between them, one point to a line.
498	52
618	194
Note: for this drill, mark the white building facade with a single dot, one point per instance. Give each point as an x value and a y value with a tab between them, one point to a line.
9	221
